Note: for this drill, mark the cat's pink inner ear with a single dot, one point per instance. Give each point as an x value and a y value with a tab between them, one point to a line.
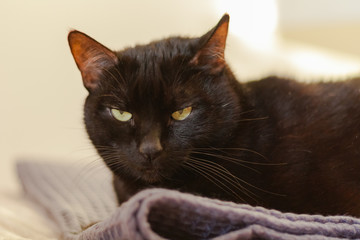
91	57
212	52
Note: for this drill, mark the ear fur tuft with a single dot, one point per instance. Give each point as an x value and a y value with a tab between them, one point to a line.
212	47
91	57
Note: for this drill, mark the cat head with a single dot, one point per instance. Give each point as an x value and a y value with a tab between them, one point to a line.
151	106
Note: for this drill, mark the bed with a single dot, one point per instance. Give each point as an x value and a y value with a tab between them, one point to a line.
86	209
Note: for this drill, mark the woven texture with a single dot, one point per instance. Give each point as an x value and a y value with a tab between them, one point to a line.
87	209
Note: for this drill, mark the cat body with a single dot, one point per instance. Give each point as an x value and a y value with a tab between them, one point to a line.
317	138
171	114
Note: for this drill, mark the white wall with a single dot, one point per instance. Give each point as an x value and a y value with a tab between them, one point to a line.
310	13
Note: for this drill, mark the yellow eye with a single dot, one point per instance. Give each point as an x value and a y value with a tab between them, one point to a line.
181	114
121	116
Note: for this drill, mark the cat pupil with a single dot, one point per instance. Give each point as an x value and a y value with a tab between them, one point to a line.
122	116
182	114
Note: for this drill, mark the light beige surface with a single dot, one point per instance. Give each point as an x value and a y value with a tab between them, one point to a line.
41	94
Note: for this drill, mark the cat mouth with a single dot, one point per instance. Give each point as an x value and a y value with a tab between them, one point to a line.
151	176
148	174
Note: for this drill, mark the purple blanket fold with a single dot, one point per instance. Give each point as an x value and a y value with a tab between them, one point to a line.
86	209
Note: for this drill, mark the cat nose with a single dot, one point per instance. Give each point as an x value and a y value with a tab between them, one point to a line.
150	148
150	145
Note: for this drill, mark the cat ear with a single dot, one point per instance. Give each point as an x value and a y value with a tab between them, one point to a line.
91	57
213	46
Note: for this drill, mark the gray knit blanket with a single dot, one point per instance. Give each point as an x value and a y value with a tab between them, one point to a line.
85	208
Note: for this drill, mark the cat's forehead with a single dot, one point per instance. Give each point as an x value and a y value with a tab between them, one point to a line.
151	88
165	49
156	74
155	66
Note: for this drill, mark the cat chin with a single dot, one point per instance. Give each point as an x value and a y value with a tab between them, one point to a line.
151	176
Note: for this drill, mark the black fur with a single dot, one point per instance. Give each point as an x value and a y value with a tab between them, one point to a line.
273	142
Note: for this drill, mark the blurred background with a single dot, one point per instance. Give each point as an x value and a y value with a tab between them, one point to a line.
41	92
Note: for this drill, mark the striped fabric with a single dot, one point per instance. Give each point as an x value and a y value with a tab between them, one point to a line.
85	208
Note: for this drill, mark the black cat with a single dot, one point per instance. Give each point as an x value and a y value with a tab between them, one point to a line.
171	114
